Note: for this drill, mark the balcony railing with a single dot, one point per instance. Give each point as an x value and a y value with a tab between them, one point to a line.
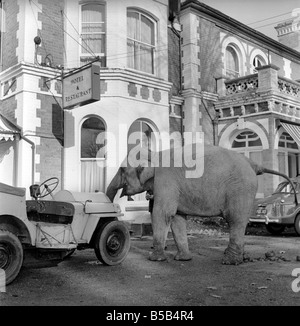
288	87
242	84
258	93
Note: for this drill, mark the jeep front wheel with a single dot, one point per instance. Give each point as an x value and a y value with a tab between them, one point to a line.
11	255
112	243
297	224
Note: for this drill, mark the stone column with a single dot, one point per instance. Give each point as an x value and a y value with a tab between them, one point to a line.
267	78
221	88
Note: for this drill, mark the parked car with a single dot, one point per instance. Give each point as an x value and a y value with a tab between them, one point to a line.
279	210
52	229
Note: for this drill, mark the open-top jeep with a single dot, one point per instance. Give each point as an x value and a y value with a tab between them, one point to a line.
50	230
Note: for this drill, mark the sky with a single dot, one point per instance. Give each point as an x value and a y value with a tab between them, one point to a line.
257	13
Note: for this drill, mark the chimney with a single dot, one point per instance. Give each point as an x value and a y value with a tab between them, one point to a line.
288	32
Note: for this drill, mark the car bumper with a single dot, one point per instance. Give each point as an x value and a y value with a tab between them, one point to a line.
286	220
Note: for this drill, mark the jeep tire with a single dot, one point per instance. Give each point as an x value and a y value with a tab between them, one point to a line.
112	243
297	224
11	255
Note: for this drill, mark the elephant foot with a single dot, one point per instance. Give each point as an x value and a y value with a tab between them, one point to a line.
155	256
233	256
183	256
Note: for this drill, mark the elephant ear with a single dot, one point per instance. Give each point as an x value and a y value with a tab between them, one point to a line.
144	173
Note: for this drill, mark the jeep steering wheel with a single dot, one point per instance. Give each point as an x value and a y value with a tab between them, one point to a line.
48	187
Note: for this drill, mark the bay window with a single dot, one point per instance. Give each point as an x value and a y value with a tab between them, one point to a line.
140	41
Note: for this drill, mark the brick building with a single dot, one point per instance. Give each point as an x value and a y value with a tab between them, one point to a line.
240	87
163	68
27	99
40	42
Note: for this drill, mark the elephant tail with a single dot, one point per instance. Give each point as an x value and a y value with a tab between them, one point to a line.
261	170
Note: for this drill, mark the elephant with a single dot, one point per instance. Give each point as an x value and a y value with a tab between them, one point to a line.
227	188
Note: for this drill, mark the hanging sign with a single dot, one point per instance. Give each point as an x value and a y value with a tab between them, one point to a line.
82	86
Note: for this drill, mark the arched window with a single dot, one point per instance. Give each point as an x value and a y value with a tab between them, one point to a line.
142	135
92	158
90	132
257	62
247	139
248	143
93	29
288	155
140	41
232	62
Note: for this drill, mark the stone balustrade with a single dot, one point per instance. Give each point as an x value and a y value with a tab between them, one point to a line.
288	87
259	107
258	93
242	84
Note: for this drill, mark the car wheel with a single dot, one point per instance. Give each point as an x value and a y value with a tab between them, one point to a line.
297	224
11	255
275	229
112	243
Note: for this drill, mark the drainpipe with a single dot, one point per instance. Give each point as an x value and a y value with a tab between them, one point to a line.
33	156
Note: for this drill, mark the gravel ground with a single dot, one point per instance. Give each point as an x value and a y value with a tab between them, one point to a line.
265	279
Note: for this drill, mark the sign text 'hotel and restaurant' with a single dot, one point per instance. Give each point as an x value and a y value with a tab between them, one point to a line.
81	87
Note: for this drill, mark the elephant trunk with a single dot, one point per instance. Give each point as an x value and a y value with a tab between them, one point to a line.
114	186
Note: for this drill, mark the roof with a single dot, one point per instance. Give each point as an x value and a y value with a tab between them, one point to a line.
236	25
8	130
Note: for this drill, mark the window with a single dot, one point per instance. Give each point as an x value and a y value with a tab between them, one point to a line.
246	139
92	159
90	130
144	137
288	155
249	144
143	134
232	63
286	141
140	41
93	38
258	62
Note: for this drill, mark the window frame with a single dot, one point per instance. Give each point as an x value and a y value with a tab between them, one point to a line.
141	13
247	150
237	73
288	153
247	141
102	55
260	60
81	135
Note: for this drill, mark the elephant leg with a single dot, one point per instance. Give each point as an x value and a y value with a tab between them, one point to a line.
234	253
178	226
160	226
